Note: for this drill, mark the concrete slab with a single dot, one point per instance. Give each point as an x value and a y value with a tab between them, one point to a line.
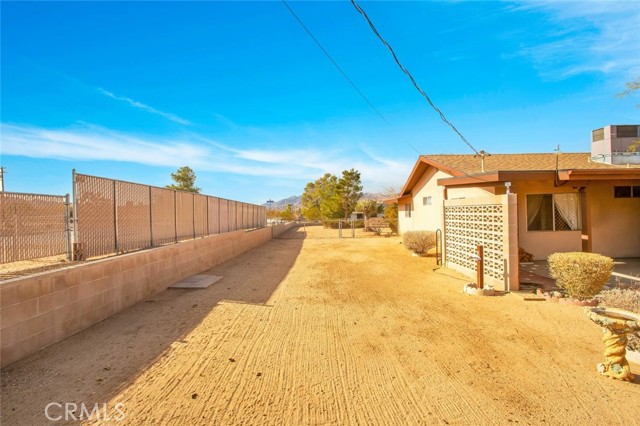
197	281
538	271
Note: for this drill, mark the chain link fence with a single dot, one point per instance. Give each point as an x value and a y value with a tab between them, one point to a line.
359	228
113	216
33	226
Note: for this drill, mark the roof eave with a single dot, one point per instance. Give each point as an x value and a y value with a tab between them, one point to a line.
419	168
599	174
492	178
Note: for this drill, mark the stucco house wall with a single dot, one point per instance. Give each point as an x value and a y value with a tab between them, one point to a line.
614	235
429	217
614	222
423	217
543	243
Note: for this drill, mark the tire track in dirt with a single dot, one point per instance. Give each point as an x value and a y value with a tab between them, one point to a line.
348	332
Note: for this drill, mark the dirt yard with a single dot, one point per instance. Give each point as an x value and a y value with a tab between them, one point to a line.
322	331
26	267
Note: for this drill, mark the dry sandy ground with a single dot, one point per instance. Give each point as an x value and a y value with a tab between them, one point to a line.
321	331
25	267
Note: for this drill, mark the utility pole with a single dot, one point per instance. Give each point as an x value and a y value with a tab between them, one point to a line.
1	179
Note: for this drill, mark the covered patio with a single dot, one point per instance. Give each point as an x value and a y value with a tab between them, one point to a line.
625	270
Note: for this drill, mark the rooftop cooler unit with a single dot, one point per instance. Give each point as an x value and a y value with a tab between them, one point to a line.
616	144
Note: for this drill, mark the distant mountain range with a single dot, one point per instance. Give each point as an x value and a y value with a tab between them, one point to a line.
296	200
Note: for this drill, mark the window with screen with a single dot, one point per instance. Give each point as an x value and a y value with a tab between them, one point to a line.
554	212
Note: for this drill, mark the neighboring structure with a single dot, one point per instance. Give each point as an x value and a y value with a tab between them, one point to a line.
544	203
616	145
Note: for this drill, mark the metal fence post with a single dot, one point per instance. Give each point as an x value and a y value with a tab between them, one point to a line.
74	195
115	216
150	218
15	232
67	231
175	214
193	215
208	230
480	267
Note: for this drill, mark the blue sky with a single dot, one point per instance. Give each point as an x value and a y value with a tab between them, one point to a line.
239	92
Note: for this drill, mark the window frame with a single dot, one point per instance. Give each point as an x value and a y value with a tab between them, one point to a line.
634	191
407	209
427	201
553	213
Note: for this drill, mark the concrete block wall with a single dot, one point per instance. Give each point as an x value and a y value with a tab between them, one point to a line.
476	233
41	309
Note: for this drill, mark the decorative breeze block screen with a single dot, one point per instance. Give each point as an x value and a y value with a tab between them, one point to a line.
470	226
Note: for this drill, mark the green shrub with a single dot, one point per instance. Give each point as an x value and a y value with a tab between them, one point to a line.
419	242
581	275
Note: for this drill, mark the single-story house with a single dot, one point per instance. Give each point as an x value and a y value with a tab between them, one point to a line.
549	202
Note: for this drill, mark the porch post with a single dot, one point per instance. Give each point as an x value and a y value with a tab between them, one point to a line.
586	221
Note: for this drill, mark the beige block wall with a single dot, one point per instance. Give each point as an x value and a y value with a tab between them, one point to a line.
39	310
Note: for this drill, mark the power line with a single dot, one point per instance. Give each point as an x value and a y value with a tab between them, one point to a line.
344	74
413	81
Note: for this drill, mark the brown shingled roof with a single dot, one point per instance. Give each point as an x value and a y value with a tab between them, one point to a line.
468	164
463	167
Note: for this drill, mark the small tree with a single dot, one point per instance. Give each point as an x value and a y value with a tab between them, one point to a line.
349	190
185	180
321	200
632	86
288	214
370	208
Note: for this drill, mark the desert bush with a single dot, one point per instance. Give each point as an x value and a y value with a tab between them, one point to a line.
376	225
581	275
626	299
419	242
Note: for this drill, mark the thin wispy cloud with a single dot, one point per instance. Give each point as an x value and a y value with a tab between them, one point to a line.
585	37
146	107
86	142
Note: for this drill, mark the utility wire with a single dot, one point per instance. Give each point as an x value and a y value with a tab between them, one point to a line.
344	74
413	81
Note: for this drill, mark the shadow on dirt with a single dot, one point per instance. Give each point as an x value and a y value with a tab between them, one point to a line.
95	364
